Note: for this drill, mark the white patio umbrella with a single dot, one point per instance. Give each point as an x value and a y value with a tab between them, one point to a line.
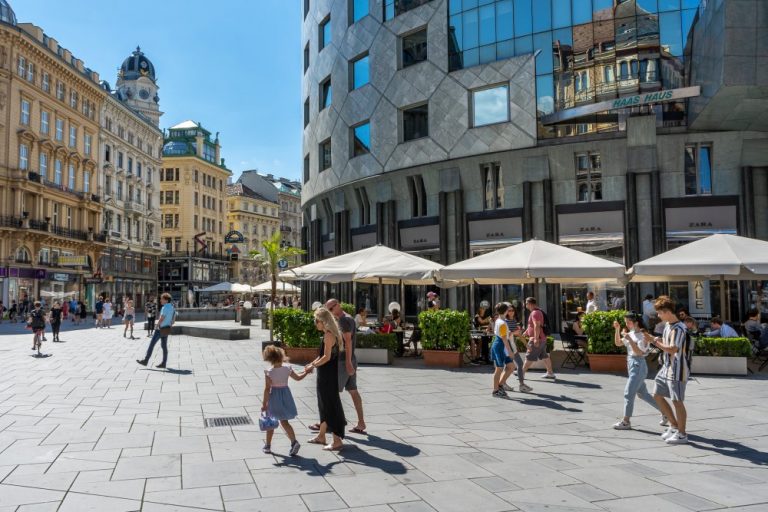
723	257
530	262
226	287
378	265
282	286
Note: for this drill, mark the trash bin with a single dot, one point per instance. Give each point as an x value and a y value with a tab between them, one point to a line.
245	313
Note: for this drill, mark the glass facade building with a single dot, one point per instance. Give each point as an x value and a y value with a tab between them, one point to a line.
586	51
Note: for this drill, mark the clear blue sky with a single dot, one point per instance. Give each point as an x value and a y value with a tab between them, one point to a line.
233	65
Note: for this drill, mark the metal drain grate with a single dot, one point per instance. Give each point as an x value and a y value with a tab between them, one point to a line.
229	421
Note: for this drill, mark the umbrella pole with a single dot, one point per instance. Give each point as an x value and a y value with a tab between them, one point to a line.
402	302
381	302
723	298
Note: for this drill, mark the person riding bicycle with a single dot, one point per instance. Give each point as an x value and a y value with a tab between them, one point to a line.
36	321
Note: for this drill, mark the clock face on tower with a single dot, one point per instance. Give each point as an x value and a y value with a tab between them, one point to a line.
144	94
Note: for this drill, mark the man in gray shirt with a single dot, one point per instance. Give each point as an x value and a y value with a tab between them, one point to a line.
348	367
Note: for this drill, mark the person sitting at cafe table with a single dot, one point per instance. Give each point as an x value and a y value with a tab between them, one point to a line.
479	345
577	327
752	324
721	330
361	318
692	325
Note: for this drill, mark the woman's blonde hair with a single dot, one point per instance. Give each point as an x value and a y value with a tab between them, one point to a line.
330	323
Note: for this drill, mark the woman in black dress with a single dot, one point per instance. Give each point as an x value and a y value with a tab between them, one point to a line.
327	363
56	320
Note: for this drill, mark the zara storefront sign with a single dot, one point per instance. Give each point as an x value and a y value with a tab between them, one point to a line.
635	100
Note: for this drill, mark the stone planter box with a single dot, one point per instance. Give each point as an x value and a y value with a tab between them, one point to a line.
608	363
374	355
719	365
443	358
301	355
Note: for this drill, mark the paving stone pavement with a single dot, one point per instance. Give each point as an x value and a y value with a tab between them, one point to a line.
87	429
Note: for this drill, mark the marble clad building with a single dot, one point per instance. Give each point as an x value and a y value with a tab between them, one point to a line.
618	127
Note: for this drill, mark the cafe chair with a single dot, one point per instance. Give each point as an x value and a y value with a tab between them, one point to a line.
575	354
760	353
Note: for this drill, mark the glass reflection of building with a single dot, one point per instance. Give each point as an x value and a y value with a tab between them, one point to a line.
586	51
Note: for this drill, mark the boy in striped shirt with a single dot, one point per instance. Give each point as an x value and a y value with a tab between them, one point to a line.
672	377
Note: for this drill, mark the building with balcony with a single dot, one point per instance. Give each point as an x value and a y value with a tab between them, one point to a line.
618	127
289	196
193	196
50	205
130	147
256	219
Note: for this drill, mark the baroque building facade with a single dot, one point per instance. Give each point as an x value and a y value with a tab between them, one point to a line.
621	128
193	180
130	147
256	219
50	202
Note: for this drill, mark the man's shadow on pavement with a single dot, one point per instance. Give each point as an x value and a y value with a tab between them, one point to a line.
729	449
548	401
722	447
351	454
399	449
169	370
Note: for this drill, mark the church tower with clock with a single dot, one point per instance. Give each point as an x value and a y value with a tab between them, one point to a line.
137	86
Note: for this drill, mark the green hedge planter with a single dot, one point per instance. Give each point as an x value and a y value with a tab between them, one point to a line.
604	355
444	337
296	331
721	356
375	348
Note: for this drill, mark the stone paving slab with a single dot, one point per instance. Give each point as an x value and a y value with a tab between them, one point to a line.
88	429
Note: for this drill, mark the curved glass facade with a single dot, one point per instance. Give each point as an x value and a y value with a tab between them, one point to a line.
586	50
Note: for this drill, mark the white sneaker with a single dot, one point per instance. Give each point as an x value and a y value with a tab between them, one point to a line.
664	422
668	433
294	448
550	376
621	425
507	387
677	438
525	388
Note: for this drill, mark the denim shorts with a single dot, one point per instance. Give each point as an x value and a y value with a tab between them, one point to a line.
498	355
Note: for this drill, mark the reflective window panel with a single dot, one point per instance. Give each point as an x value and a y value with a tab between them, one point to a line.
490	106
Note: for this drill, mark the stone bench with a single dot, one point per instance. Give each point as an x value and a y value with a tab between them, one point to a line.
216	333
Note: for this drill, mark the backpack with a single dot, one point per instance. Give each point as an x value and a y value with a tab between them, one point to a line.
546	328
38	319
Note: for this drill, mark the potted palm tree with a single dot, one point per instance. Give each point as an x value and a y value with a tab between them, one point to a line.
273	250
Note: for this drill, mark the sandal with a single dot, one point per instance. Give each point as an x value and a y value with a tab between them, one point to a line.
314	440
330	448
357	430
314	428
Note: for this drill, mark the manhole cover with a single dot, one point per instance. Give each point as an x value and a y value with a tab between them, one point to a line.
229	421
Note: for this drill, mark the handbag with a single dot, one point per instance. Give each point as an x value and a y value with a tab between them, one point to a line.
267	422
165	331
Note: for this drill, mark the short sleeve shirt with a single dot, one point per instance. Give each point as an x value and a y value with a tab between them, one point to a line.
167	313
347	324
536	316
638	338
675	366
279	375
500	328
99	307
